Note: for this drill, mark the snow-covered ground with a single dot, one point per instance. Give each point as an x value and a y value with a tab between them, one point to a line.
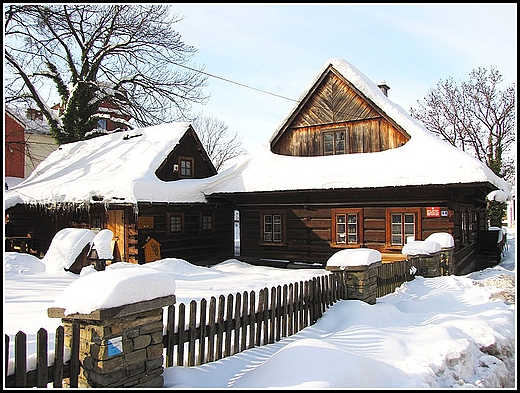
443	332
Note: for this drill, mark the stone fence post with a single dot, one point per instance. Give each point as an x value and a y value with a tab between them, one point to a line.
429	265
120	347
360	279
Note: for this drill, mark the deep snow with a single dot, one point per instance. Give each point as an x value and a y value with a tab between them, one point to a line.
444	332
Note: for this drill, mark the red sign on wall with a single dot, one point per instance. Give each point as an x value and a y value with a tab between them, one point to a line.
433	212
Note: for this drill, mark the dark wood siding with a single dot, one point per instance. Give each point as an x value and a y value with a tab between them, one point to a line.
188	147
309	222
192	244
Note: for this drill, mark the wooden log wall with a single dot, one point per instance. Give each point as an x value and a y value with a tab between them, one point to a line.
309	233
193	244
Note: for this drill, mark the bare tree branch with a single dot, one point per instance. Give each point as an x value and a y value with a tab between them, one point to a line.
476	117
219	143
129	55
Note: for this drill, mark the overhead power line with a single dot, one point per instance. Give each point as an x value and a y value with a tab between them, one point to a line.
254	88
236	83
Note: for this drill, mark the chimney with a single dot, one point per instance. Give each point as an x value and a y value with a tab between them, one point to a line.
384	87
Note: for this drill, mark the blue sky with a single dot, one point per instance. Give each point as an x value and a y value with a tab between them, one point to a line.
279	48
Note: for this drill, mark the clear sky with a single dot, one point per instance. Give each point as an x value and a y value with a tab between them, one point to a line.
279	48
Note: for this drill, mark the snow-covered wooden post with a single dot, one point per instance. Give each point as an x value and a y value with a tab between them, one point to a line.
121	341
357	269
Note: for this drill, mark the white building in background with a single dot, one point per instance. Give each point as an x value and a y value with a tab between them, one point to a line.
38	140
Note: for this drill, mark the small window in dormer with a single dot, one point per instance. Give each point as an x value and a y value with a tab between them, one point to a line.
334	142
186	167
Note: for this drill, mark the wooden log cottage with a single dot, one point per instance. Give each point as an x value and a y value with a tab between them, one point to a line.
348	168
144	185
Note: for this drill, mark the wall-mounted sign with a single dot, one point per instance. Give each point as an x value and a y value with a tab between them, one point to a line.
444	213
433	212
115	346
145	222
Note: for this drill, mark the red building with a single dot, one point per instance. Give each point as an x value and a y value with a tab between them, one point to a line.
14	131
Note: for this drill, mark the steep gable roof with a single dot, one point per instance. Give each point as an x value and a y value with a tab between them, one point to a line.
424	160
114	168
331	98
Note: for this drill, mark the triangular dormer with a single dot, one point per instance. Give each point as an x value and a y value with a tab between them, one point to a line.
188	160
334	117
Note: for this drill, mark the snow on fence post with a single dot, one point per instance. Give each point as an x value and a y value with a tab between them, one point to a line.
120	347
356	269
121	330
426	254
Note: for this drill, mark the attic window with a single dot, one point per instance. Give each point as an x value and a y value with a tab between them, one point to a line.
186	166
102	124
334	142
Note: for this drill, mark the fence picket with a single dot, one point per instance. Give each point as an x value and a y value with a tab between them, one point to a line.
203	335
42	371
272	316
236	330
192	328
20	359
220	327
212	330
59	345
252	324
181	333
245	321
227	323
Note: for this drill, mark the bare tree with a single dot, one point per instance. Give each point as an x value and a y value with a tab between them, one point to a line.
220	144
127	55
476	117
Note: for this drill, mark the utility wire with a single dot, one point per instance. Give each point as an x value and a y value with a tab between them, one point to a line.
254	88
236	83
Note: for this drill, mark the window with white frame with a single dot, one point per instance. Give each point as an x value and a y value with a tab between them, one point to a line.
347	227
403	225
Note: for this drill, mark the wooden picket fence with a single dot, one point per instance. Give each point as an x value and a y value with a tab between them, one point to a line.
392	275
55	373
211	331
239	322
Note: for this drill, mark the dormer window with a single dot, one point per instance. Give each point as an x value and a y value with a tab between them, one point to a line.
186	166
334	142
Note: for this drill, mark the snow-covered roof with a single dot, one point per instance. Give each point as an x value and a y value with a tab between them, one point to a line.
424	160
113	168
120	167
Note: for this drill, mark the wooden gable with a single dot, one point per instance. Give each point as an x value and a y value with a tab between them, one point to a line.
188	149
333	104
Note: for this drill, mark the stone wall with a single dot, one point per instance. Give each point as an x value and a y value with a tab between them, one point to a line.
120	347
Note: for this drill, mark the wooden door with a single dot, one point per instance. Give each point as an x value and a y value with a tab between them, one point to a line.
116	223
